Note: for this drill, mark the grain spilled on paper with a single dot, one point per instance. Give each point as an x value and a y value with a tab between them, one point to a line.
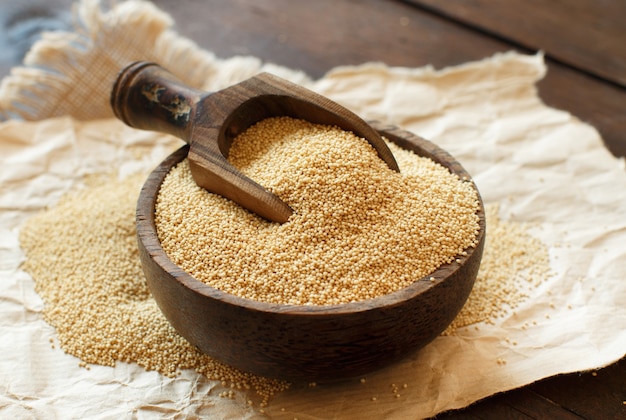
513	262
83	256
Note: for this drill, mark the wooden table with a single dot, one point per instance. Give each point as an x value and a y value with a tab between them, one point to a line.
585	46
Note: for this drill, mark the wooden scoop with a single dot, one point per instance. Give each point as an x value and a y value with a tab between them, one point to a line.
146	96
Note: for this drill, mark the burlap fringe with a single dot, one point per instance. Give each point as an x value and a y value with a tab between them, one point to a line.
71	73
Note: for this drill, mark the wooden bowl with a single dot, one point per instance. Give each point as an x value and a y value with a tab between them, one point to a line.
306	343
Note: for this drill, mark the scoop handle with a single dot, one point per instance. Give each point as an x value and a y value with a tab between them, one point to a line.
148	97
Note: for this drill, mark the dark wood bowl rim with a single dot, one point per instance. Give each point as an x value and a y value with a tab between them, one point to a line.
146	233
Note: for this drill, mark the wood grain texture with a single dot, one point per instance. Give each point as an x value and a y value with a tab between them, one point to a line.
308	342
317	36
589	35
596	394
521	404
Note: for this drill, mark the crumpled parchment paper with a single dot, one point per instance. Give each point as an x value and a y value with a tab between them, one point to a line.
543	166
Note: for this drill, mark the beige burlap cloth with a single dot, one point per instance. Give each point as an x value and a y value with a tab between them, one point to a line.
541	165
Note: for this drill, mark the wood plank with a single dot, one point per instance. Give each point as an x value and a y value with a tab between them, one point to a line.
316	36
585	34
344	31
597	394
519	404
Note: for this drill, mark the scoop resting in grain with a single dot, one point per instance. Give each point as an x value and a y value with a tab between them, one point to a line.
359	229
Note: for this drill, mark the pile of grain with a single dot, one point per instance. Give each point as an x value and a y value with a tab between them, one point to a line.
83	256
359	229
513	263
